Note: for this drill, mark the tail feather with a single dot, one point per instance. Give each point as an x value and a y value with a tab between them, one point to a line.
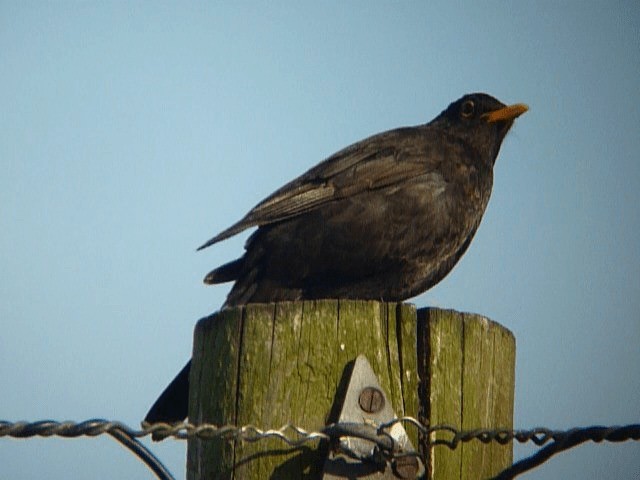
228	272
172	405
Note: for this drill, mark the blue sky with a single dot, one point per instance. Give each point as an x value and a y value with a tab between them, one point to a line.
130	134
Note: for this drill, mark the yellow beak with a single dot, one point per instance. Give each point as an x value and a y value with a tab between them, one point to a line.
506	113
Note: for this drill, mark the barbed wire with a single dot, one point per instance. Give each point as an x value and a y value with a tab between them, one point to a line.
294	436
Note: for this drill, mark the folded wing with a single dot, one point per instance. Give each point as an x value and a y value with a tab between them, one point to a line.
366	165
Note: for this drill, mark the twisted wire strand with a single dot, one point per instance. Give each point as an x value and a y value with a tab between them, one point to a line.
566	440
126	436
557	440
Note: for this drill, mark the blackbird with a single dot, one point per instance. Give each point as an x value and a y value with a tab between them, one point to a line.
383	219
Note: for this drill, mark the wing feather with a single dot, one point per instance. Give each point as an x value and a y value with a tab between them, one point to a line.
366	165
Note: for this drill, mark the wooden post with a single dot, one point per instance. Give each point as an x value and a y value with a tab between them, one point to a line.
268	365
467	371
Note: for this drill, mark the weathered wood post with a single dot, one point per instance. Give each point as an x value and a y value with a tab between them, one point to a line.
467	371
268	365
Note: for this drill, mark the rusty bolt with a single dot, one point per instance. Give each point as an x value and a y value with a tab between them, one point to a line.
405	467
371	400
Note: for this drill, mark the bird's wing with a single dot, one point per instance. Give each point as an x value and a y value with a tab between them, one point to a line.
379	161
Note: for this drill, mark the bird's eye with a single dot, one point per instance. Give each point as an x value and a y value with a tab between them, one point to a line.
467	109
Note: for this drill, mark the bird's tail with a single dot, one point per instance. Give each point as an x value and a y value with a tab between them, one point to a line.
172	405
226	273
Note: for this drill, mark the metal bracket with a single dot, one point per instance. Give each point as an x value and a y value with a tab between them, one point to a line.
387	455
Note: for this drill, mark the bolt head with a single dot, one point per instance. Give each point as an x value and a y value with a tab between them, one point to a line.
371	400
405	467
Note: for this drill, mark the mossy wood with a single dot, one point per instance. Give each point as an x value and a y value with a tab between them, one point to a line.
273	364
467	367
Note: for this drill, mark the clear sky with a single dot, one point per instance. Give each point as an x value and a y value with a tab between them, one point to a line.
131	133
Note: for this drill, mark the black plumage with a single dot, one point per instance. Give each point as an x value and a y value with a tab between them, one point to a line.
384	219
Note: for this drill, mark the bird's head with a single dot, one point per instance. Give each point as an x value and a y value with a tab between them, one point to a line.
481	120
